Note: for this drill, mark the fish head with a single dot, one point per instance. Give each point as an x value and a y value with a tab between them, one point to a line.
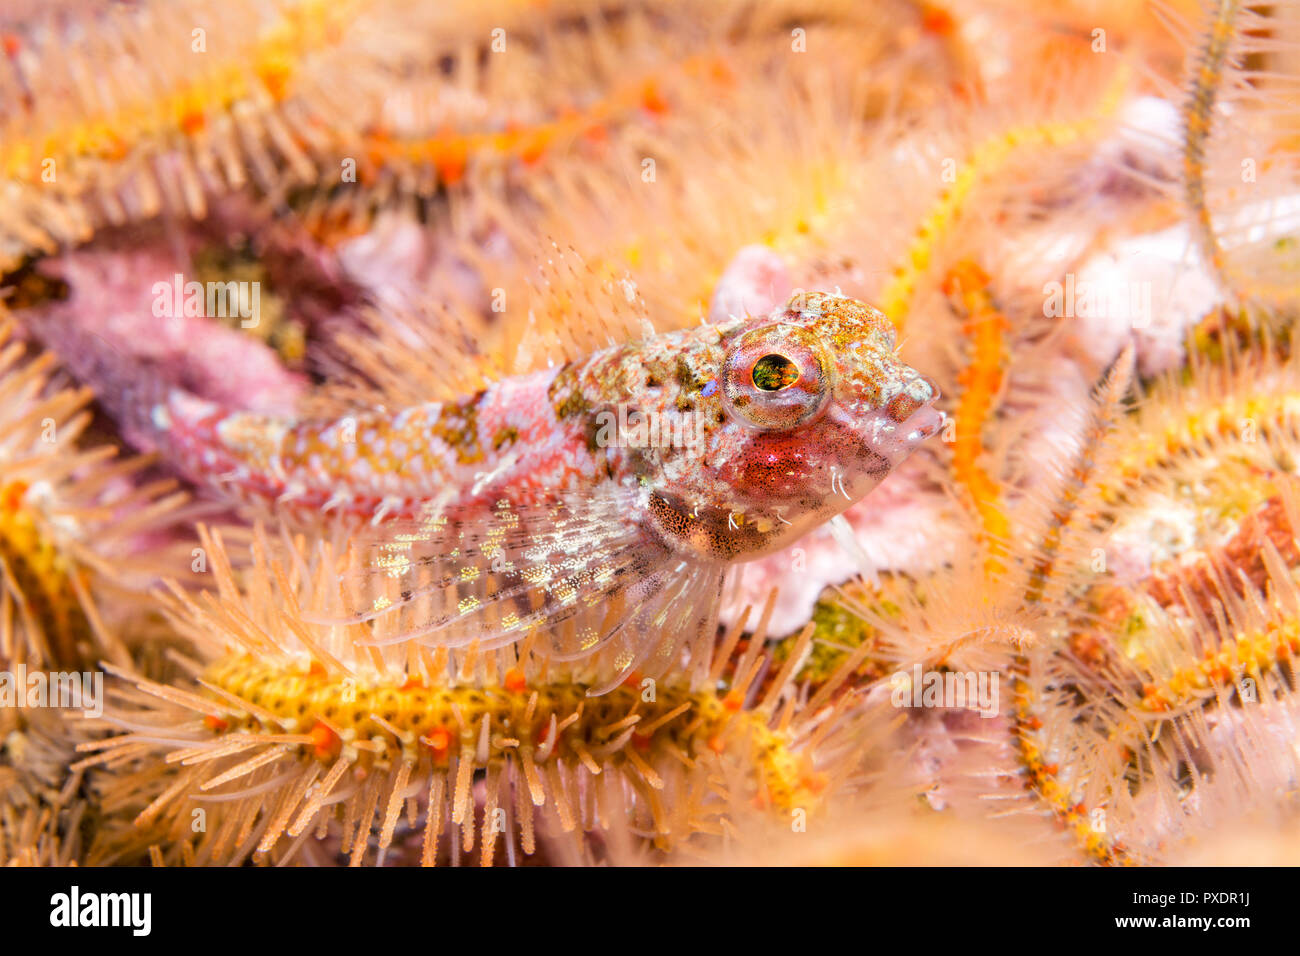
816	410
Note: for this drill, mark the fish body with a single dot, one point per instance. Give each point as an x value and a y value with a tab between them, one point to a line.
609	495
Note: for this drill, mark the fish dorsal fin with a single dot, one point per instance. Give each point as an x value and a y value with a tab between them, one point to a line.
409	353
579	309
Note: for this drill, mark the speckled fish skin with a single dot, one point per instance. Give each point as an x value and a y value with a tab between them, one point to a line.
730	472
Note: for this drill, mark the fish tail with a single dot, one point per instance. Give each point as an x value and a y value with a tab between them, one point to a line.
149	401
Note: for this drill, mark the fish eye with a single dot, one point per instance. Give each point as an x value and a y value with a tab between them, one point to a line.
776	377
774	372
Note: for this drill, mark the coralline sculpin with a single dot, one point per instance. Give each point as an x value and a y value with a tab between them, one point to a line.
600	503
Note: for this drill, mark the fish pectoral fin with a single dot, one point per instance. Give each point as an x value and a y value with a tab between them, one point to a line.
670	610
583	574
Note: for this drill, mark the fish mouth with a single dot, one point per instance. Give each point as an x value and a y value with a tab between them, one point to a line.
923	420
882	436
923	423
895	430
